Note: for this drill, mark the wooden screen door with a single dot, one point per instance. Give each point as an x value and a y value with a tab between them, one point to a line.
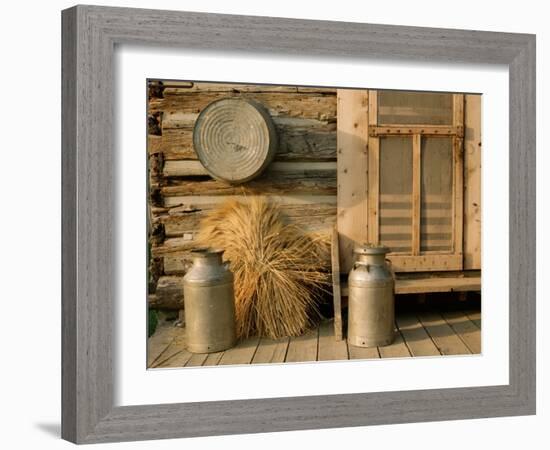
412	194
415	176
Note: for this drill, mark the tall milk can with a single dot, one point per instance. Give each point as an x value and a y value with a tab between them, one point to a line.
209	303
371	299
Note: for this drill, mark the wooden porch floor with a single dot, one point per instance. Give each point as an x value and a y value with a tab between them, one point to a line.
429	332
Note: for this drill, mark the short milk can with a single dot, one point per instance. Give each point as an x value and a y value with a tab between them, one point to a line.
371	299
209	303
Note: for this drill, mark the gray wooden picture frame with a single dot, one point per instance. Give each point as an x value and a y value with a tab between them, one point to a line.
90	34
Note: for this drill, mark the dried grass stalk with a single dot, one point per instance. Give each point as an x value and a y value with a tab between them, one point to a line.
280	272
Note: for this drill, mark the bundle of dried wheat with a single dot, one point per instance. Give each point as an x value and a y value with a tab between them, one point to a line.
279	271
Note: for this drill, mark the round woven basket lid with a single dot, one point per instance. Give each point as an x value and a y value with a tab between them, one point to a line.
235	139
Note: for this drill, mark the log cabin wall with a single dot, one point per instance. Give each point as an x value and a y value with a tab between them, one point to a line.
302	177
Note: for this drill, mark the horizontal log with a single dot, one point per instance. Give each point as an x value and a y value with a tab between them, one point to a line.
154	144
169	293
309	105
176	204
318	179
177	263
189	168
172	246
178	259
179	87
178	120
311	218
299	140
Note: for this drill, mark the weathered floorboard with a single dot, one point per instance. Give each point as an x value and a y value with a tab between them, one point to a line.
434	334
303	348
465	329
442	334
363	352
197	360
475	317
179	359
242	353
329	348
176	346
271	351
397	349
159	342
416	337
213	359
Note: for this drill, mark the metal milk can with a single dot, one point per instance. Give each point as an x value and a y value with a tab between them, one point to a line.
371	299
209	303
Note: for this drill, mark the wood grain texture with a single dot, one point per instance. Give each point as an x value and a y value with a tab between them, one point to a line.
466	329
352	139
89	36
300	139
69	292
271	351
416	187
303	348
330	348
336	291
442	335
472	181
415	334
373	181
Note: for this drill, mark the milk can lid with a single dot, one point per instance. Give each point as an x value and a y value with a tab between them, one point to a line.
370	249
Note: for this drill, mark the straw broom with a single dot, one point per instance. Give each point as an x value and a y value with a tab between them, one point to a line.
280	272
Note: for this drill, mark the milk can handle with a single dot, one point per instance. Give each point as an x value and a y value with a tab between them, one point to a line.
390	266
227	264
367	266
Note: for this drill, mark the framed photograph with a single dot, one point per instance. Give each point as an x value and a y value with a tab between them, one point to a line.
266	230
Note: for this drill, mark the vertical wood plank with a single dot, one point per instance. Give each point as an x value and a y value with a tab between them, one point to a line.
352	159
373	174
336	291
472	182
458	173
458	189
416	194
458	111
